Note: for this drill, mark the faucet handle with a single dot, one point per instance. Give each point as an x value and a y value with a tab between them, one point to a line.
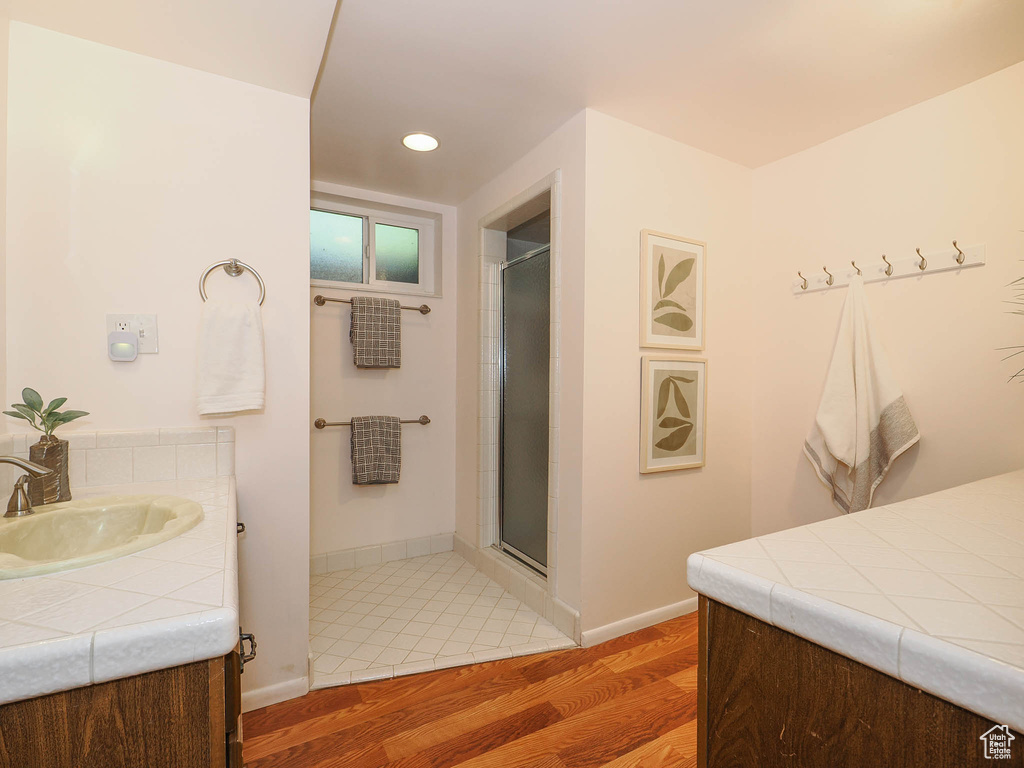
19	504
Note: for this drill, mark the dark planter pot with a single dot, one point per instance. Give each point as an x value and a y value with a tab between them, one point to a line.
52	454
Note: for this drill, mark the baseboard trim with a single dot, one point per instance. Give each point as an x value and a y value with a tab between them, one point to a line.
375	554
641	620
273	694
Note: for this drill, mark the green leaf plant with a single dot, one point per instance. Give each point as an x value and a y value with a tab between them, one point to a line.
1017	286
47	419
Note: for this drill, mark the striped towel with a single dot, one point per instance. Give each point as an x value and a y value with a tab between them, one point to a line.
376	450
376	332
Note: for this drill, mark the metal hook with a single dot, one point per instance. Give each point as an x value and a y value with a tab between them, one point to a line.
888	266
924	261
803	284
856	267
830	278
960	255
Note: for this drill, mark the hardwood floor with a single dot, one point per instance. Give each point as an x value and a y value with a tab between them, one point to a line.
628	703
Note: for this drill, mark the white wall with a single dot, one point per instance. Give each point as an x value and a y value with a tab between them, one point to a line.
5	25
342	515
127	176
952	167
565	150
274	43
639	529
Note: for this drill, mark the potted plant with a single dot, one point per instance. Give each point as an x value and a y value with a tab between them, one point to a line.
51	452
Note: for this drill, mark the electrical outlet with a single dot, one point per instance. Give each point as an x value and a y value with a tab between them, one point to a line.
143	326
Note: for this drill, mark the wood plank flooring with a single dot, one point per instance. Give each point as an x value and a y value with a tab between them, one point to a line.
627	703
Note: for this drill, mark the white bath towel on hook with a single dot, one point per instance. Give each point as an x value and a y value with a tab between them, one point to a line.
863	423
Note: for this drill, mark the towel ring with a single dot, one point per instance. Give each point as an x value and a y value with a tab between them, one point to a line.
924	261
888	266
856	267
233	267
803	283
960	255
830	278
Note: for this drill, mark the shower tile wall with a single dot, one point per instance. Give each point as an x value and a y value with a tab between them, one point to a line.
416	615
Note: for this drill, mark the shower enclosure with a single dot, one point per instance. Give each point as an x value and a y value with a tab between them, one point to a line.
523	424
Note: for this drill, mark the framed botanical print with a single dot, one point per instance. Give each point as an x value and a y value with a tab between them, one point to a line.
671	291
673	408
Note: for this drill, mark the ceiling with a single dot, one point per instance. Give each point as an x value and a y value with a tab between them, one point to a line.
278	44
749	80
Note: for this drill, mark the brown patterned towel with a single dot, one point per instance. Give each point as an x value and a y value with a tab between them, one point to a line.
376	332
376	450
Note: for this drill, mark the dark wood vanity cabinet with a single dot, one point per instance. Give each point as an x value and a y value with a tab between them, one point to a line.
182	717
770	699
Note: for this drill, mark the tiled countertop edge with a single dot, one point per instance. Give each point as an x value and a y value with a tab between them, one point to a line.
108	654
963	677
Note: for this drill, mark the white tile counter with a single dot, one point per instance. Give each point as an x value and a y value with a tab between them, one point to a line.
929	590
171	604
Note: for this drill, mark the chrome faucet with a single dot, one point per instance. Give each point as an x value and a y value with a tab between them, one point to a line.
19	505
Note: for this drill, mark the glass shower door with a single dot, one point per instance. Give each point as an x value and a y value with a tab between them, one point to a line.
525	328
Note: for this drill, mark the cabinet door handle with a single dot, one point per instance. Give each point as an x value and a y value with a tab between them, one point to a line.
240	528
243	638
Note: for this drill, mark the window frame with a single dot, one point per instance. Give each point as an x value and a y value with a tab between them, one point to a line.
371	216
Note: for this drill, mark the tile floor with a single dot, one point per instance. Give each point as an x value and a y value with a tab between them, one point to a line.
415	615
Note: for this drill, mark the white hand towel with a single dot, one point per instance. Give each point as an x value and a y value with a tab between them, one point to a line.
863	423
231	376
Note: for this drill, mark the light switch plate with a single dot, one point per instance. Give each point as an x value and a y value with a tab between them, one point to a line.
143	326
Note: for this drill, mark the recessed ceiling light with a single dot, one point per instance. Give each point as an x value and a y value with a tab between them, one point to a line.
420	142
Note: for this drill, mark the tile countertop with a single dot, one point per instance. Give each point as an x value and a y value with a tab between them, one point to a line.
171	604
928	590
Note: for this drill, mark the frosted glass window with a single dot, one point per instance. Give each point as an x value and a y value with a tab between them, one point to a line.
398	253
335	247
366	248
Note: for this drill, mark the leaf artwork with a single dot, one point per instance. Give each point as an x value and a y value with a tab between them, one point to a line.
674	313
663	396
676	439
676	418
679	272
676	320
680	400
666	303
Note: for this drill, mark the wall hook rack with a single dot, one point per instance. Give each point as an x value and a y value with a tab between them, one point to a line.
919	265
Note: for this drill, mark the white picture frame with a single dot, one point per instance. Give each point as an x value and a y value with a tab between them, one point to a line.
672	291
673	413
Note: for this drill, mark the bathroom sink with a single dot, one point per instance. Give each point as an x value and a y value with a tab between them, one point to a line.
73	534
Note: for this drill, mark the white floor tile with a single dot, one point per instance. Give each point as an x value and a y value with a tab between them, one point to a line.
410	616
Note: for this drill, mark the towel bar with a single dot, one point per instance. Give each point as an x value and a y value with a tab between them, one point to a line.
321	423
423	309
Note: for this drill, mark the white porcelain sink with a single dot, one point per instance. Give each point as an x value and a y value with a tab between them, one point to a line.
59	537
